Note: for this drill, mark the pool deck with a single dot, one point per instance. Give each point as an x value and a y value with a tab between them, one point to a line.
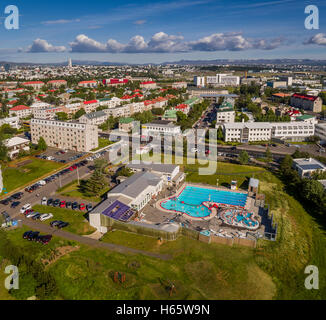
214	211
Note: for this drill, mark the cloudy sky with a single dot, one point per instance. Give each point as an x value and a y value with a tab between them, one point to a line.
158	31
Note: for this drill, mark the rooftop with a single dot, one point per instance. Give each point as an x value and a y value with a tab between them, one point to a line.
309	164
158	167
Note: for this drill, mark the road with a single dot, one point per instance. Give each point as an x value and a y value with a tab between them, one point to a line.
46	229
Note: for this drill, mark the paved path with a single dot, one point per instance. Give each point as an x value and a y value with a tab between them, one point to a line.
44	228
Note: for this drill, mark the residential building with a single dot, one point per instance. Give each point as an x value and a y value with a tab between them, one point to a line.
170	115
179	85
126	124
57	83
277	84
15	145
94	118
148	85
225	113
36	85
12	121
65	135
199	82
115	82
293	131
48	113
90	106
88	84
20	111
161	127
320	131
306	167
307	102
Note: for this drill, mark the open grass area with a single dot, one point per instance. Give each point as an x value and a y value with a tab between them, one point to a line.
73	190
102	143
77	222
20	174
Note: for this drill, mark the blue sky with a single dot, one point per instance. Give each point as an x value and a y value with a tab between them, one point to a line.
157	31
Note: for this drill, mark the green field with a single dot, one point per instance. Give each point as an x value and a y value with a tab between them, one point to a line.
72	190
102	143
274	270
77	222
16	177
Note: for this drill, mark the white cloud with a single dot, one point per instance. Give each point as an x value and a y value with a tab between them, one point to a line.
319	39
40	45
60	21
83	43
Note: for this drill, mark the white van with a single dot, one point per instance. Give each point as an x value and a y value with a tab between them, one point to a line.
25	208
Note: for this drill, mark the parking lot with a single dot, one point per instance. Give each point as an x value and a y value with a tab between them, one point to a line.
62	156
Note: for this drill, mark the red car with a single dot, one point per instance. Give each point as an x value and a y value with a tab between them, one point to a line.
82	207
28	212
62	204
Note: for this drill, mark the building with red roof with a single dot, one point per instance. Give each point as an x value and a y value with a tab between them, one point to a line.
88	84
36	85
307	102
57	83
20	111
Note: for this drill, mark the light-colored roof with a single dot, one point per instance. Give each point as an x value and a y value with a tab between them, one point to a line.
253	125
254	183
16	141
157	167
309	164
136	184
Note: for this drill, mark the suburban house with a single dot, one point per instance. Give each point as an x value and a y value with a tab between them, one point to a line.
15	145
306	167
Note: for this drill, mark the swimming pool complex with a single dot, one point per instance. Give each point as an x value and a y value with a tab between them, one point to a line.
192	201
239	218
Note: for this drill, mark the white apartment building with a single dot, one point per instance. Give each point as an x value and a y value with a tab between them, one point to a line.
65	135
46	113
320	131
179	85
110	103
94	118
161	127
294	131
245	132
20	111
306	167
15	145
265	131
199	81
12	121
225	116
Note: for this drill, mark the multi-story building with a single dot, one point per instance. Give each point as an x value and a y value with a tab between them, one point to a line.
225	114
88	84
15	145
161	127
320	131
307	102
57	83
94	118
12	121
48	113
179	85
36	85
110	103
306	167
277	84
20	111
199	82
126	124
90	106
65	135
265	131
115	82
148	85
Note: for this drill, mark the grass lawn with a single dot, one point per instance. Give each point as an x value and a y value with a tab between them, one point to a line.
77	222
102	143
72	190
15	177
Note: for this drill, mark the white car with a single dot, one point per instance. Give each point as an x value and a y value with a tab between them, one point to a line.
46	216
25	208
44	201
32	214
42	183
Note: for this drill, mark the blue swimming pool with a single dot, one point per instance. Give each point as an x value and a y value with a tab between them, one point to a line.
190	201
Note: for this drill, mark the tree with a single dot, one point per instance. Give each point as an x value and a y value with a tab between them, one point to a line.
62	116
3	150
220	135
95	185
79	113
244	157
125	172
269	155
42	146
313	191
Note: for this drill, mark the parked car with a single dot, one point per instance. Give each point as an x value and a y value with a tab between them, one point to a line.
5	202
62	225
89	207
28	212
44	239
31	214
33	236
55	223
74	206
62	204
27	234
56	203
68	205
46	216
15	204
50	201
37	216
25	207
82	207
18	195
44	201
